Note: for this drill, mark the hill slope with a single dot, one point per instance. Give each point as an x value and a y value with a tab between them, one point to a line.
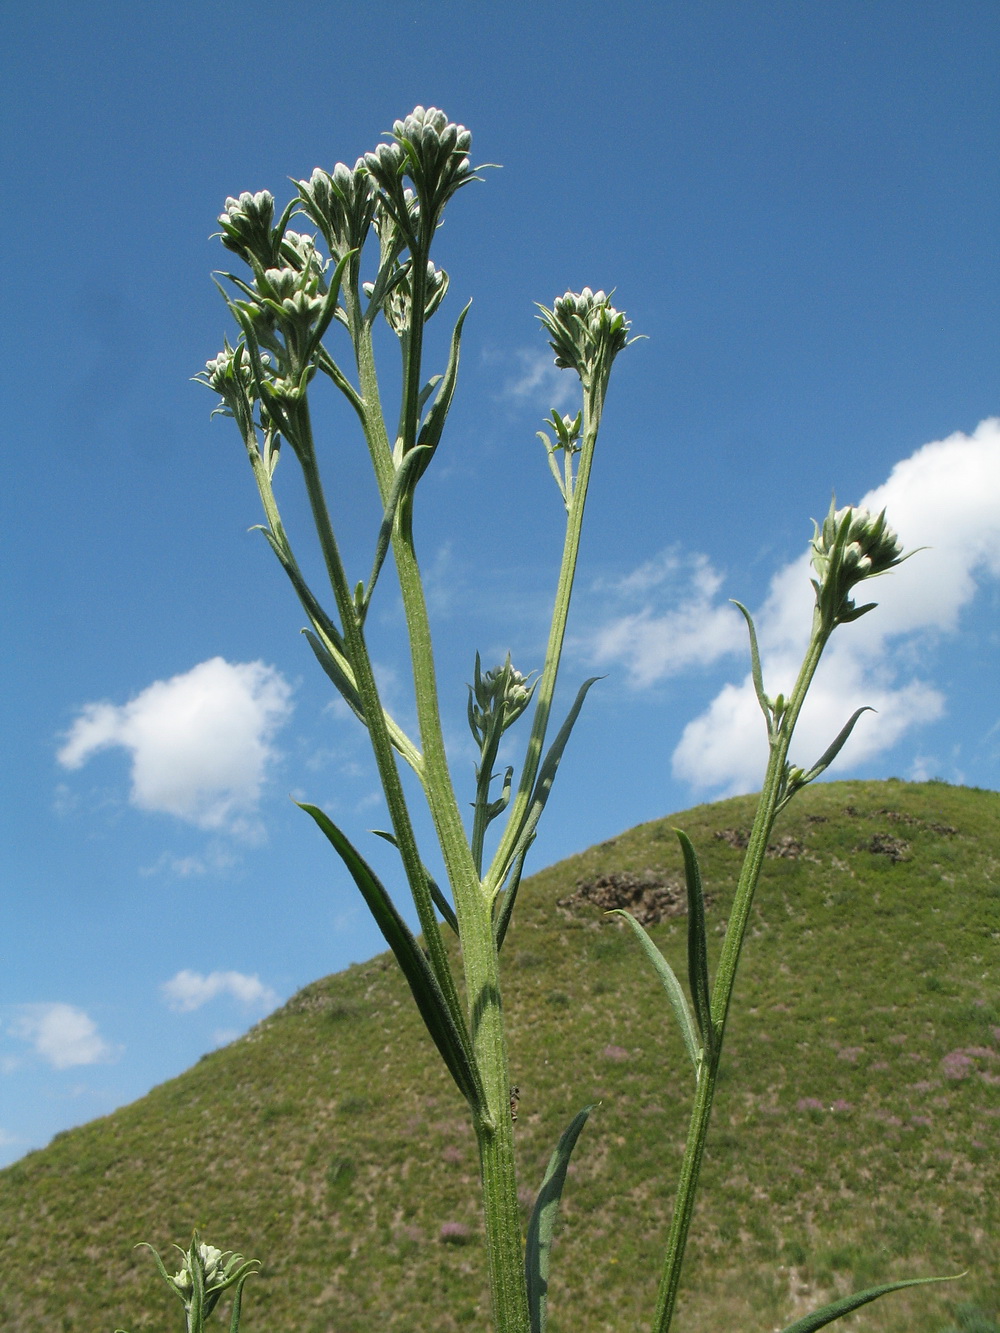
855	1137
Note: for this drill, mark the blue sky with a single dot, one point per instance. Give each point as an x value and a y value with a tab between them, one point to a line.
797	204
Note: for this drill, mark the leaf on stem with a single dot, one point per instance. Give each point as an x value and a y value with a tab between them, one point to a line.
409	469
546	777
674	989
755	670
508	896
452	1042
333	669
837	1309
430	431
543	1220
697	948
439	900
800	780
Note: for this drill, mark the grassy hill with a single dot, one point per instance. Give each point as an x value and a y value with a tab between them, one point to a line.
856	1136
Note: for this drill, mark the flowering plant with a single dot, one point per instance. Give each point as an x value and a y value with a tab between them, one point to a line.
289	302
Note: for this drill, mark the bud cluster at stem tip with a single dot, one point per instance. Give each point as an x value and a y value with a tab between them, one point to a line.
852	545
497	699
586	333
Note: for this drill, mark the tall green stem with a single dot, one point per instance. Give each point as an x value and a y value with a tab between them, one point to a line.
780	735
494	1132
593	404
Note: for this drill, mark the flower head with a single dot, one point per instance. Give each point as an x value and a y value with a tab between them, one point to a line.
586	333
341	203
851	546
246	226
497	699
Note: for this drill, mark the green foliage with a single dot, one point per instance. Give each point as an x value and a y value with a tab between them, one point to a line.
852	1144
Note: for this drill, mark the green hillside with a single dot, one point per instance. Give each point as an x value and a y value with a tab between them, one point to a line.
856	1136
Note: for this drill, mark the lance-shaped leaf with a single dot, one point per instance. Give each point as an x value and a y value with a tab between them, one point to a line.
444	1027
801	780
328	308
430	431
234	1322
837	1309
697	947
543	1220
674	989
407	472
755	671
439	900
507	897
545	779
345	686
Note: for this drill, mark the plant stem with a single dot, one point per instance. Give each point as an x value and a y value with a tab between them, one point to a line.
494	1131
780	735
593	404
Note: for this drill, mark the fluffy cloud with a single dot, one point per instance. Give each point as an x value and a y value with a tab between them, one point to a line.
694	633
946	497
540	382
200	742
188	990
61	1034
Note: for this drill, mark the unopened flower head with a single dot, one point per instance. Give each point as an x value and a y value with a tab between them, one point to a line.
292	294
398	303
212	1262
229	375
586	333
497	699
341	203
246	225
301	253
852	545
432	152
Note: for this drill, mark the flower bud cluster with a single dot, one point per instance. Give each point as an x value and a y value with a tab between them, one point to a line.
586	333
397	305
851	546
497	699
247	227
230	376
292	294
342	204
212	1263
432	153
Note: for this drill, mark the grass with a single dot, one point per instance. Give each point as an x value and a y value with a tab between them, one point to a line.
855	1138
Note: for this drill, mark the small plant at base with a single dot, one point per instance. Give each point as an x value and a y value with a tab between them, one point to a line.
204	1275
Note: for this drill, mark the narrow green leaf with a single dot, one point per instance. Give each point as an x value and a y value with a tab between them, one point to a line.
829	754
331	666
697	947
234	1322
438	898
546	777
507	897
543	1220
755	671
820	1318
406	472
329	307
430	431
452	1042
674	989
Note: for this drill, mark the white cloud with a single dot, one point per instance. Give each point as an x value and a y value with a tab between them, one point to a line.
946	497
540	382
61	1034
695	632
200	742
188	990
